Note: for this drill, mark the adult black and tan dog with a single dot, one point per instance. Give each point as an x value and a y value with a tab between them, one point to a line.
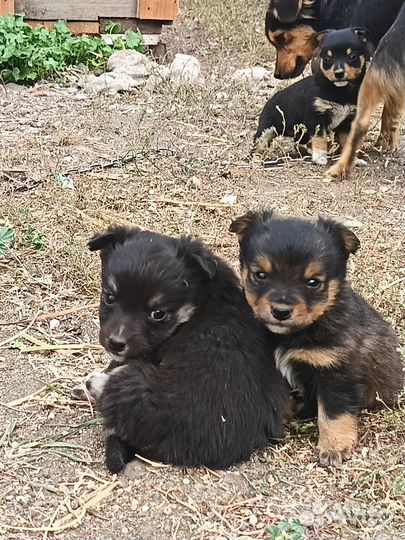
321	103
383	83
331	344
291	26
197	383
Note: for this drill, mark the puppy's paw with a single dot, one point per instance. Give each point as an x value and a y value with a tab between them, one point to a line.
79	393
337	171
95	383
319	157
333	458
117	454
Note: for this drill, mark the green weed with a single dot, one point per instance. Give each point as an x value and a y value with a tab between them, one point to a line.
286	530
35	238
28	54
6	239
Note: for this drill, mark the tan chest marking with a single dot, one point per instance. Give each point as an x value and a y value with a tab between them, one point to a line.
318	358
338	112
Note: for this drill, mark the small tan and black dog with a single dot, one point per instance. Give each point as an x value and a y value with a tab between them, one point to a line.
384	83
322	103
331	344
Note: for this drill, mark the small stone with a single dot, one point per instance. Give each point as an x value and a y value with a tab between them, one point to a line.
145	508
185	69
253	520
307	518
229	199
354	223
186	481
15	88
256	73
54	324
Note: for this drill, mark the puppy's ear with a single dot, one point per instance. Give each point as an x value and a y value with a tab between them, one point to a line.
207	263
195	252
110	238
319	37
361	33
347	238
242	224
286	11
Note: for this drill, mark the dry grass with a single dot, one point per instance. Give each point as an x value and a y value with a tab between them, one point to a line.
187	146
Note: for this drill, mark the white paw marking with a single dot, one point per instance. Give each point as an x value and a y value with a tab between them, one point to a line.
95	383
320	157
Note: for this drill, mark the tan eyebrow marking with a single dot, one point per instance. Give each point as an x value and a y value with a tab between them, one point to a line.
313	269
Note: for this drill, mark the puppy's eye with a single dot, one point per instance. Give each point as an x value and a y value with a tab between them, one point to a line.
158	314
327	60
313	283
261	276
353	57
109	298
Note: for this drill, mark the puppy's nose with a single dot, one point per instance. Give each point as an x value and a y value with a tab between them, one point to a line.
339	73
281	314
116	344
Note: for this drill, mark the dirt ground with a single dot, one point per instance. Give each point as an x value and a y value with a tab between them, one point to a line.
188	145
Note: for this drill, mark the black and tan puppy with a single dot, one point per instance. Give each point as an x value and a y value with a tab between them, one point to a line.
291	26
331	344
321	103
383	83
198	384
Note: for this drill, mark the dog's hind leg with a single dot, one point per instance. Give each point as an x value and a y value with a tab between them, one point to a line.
369	98
117	454
391	122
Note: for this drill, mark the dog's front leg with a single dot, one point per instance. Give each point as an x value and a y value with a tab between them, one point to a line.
117	454
338	406
337	436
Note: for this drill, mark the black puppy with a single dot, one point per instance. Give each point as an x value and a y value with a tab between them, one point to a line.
331	344
324	102
383	83
291	26
198	384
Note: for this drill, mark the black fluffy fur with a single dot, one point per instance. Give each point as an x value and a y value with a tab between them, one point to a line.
295	112
368	371
201	391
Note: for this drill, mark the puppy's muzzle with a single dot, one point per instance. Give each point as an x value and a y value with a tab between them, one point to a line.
116	344
281	314
339	74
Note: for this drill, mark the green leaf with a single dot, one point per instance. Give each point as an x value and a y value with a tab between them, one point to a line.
133	40
28	54
6	239
113	27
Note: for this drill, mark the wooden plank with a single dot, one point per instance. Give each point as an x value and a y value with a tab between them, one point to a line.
165	10
76	27
6	7
75	10
150	40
